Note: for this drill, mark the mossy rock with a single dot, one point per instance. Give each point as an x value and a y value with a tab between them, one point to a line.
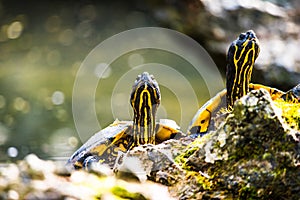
290	113
254	154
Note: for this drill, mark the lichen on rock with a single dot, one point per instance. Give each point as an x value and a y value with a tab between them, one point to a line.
290	113
253	154
153	162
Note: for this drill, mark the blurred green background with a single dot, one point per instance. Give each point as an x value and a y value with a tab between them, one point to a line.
42	45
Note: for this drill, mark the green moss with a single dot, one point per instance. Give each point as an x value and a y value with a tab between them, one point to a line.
248	192
124	194
190	149
182	158
205	182
251	156
290	113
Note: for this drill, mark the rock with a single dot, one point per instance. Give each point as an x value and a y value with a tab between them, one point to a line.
252	155
33	178
152	161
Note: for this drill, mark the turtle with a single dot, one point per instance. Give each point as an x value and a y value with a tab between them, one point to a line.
104	146
241	56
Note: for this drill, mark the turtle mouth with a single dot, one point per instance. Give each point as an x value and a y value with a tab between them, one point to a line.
253	39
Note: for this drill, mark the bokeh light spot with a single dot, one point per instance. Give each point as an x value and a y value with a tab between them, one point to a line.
13	195
102	70
58	98
21	105
59	142
66	37
12	152
14	30
73	141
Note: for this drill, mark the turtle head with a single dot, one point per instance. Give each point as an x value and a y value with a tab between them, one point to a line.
144	99
241	56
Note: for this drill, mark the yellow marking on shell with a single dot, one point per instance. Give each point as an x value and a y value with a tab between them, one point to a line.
164	133
101	161
108	151
78	164
100	149
203	116
204	113
274	93
121	146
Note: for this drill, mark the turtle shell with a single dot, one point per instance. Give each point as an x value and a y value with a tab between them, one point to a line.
105	145
215	109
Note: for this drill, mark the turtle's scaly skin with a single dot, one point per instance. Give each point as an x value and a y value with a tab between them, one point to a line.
122	136
241	56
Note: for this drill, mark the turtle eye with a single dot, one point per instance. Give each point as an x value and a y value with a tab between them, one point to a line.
251	34
242	36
